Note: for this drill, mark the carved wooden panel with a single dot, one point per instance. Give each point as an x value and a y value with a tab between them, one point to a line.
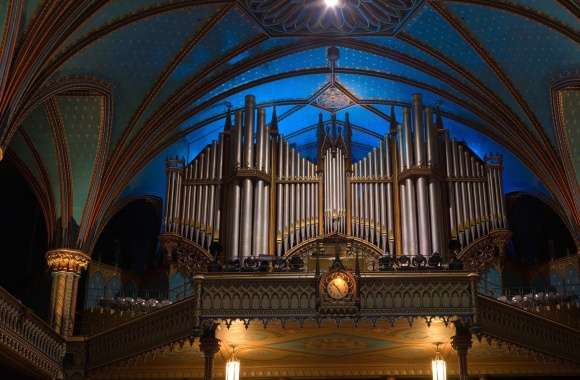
416	295
282	296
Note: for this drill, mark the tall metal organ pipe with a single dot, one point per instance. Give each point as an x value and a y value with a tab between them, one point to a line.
247	188
422	189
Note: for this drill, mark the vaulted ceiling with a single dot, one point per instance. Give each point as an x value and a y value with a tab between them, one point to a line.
95	94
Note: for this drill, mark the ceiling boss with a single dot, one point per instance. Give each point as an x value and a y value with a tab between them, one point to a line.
332	17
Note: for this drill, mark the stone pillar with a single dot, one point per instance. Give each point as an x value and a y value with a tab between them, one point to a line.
461	342
65	266
209	345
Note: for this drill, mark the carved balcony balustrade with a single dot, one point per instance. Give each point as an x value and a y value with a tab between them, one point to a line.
28	340
520	328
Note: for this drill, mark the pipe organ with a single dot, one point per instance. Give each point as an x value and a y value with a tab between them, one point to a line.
254	194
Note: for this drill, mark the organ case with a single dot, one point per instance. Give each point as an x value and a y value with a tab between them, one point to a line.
252	193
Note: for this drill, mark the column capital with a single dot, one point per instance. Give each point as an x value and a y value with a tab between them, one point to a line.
67	260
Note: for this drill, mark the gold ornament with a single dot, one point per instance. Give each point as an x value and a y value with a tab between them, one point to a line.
67	260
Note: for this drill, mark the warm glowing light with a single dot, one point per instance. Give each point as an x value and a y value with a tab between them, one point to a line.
233	369
331	3
438	367
233	366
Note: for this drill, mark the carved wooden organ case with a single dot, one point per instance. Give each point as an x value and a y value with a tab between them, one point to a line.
255	194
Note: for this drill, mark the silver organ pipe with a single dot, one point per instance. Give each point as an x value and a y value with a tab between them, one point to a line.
247	185
354	184
476	198
279	199
451	188
286	194
200	200
382	206
435	201
211	200
236	195
218	189
389	196
491	191
463	196
266	198
484	198
292	198
402	194
256	233
365	204
469	189
226	194
304	209
300	200
423	207
374	200
410	188
204	193
458	194
313	195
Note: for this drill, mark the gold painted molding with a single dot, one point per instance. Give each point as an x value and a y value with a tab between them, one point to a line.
67	260
1	154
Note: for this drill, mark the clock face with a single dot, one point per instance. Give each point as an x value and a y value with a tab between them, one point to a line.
337	288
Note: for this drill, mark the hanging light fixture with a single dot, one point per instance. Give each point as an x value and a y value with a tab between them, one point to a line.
233	366
438	366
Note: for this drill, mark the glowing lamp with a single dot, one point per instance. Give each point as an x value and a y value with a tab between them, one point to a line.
438	367
331	3
233	367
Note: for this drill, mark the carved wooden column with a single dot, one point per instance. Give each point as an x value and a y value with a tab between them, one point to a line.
461	342
66	266
209	345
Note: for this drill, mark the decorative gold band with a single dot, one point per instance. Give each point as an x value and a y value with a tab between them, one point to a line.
67	260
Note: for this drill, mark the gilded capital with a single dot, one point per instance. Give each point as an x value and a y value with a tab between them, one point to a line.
67	260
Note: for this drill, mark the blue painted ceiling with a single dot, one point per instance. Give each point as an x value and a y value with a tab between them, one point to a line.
175	69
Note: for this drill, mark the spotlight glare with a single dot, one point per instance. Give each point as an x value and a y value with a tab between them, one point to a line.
331	3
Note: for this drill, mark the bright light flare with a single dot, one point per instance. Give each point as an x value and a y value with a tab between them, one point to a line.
331	3
233	369
439	367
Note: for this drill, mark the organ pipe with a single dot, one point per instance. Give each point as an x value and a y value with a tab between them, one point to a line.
422	189
247	185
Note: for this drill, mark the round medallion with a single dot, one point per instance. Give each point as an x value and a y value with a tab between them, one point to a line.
337	288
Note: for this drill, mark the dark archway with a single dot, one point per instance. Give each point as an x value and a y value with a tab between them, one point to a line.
130	239
126	258
539	235
24	241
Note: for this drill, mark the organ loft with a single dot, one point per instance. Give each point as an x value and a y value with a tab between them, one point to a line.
289	190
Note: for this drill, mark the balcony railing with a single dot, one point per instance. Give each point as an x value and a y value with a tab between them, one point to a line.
517	326
28	339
